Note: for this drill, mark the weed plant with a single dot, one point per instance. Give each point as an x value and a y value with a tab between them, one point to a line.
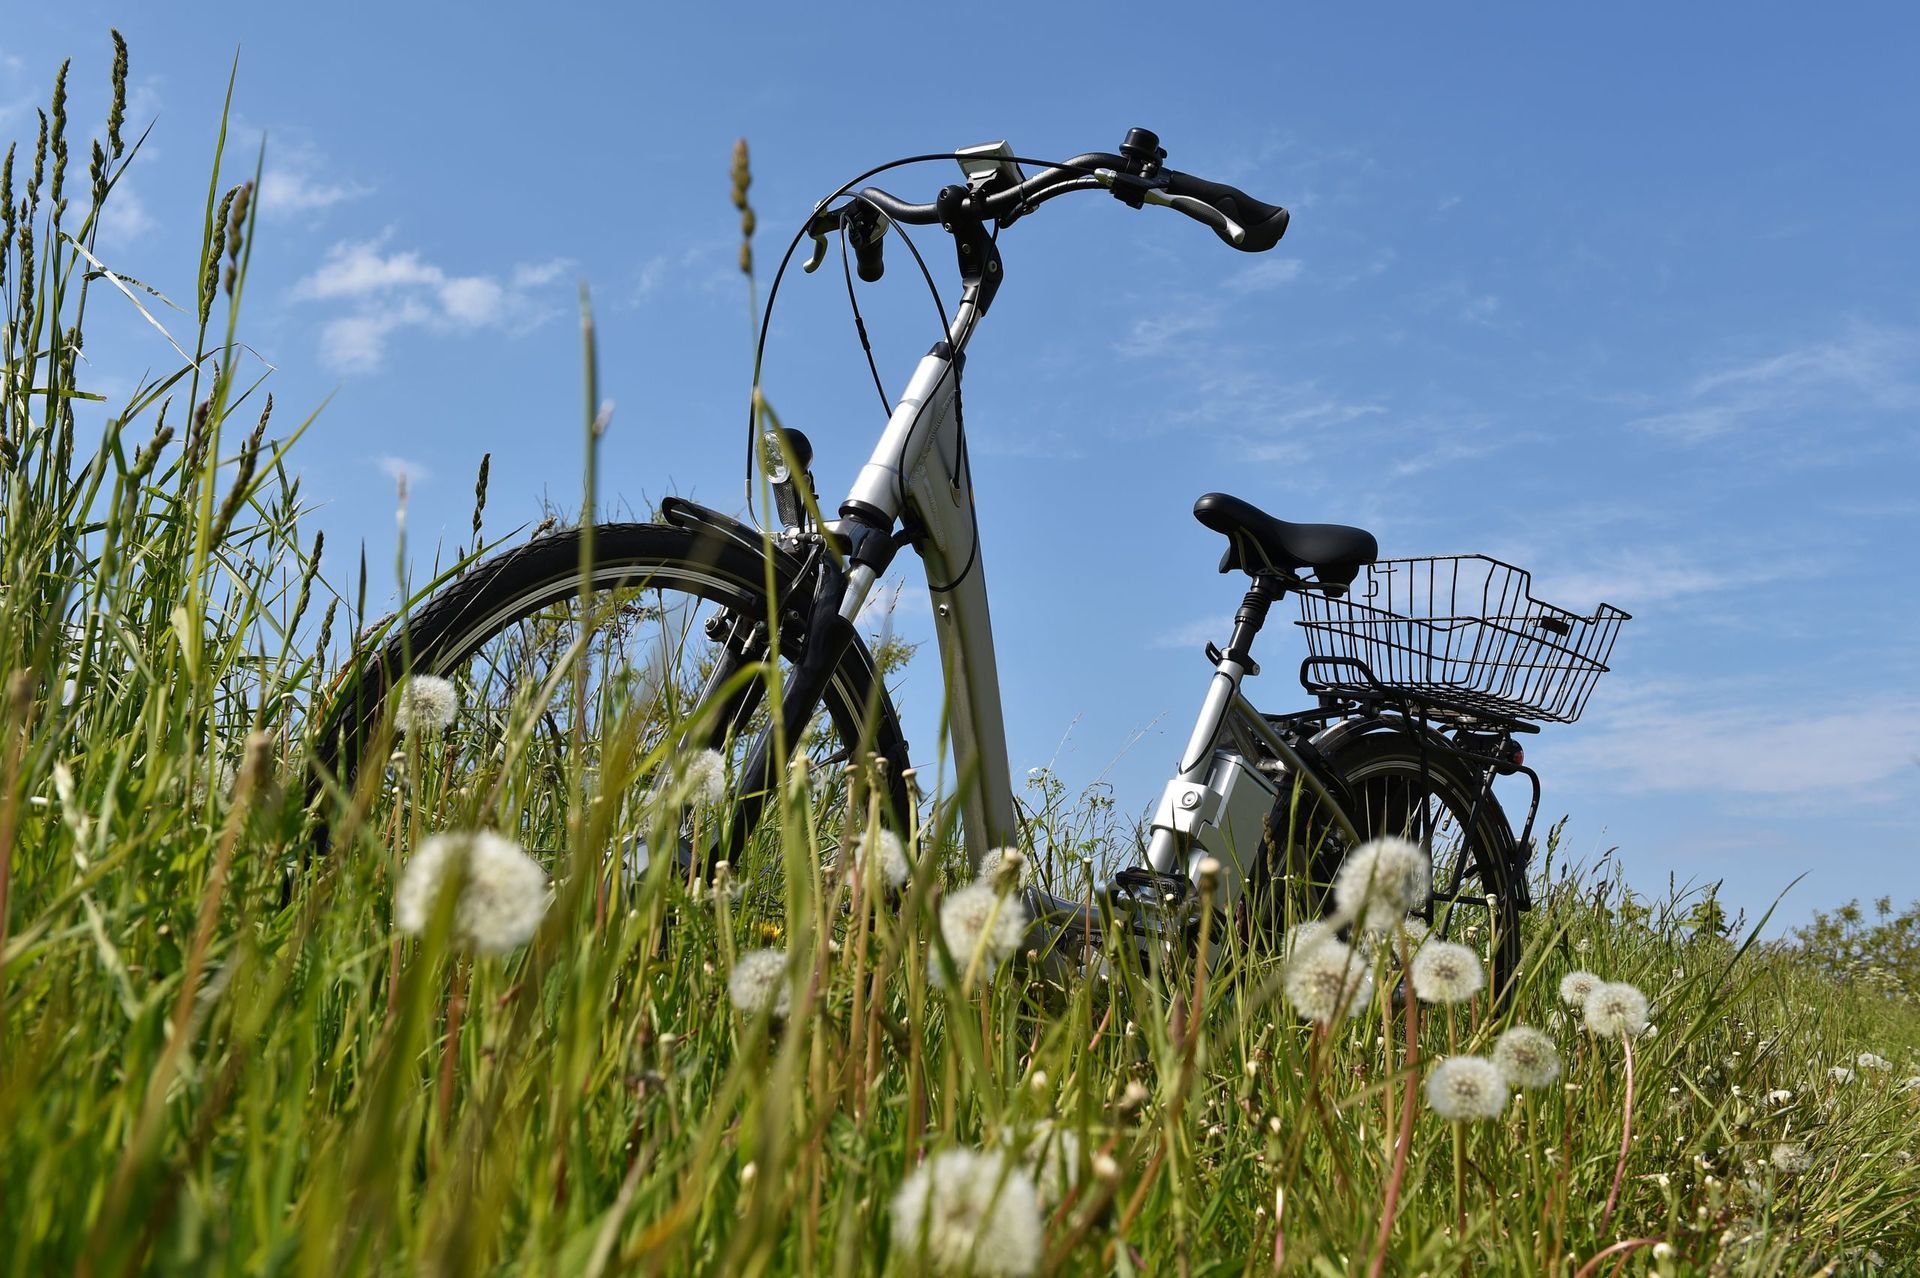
427	1052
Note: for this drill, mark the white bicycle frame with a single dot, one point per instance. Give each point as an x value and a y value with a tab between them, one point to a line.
1219	799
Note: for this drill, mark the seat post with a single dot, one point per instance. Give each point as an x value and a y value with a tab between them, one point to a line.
1250	616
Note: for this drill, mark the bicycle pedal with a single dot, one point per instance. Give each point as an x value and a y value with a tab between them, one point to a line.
1138	887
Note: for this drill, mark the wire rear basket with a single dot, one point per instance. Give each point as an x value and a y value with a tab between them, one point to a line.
1459	631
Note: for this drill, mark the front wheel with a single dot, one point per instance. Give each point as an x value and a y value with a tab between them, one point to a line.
560	691
1445	804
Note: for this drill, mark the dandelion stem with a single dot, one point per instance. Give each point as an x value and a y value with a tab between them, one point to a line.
1402	1144
1626	1139
1628	1244
1459	1181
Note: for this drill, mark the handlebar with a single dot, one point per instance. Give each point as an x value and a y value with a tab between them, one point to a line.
1135	176
1250	225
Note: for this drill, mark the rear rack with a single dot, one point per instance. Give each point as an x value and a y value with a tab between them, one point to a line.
1462	631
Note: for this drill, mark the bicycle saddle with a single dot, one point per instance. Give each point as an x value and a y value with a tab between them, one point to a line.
1257	542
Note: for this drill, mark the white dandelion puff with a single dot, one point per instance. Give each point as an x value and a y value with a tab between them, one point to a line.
427	703
502	896
1867	1060
1779	1096
1527	1057
1409	935
1008	868
965	1212
1614	1009
758	983
1327	981
1791	1158
703	778
1576	985
1840	1074
1911	1084
978	919
1054	1156
1302	937
889	856
1463	1088
1446	972
1380	881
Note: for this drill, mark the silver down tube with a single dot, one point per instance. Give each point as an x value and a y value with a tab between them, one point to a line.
920	470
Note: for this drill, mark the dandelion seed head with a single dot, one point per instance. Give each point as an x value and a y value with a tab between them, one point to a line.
1527	1057
1840	1074
1792	1158
1446	972
1779	1096
1410	934
1576	985
1327	981
1867	1060
1054	1156
427	703
1463	1088
966	1212
703	778
1302	937
981	918
502	896
758	983
1616	1008
889	856
1008	868
1910	1084
1380	881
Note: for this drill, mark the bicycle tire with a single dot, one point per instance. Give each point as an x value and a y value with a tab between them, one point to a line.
1382	775
455	625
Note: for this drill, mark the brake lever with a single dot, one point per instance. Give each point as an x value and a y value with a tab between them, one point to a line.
1132	189
1201	211
820	226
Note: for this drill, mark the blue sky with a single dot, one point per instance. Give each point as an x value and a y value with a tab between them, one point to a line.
1625	296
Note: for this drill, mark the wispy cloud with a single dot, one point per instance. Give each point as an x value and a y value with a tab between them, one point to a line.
1193	634
1155	335
1867	368
1266	274
390	291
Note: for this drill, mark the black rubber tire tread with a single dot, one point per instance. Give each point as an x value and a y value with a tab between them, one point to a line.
455	622
1390	754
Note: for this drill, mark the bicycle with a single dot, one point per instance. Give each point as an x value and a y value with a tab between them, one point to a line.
1424	672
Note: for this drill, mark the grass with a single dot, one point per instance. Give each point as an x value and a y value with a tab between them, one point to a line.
216	1057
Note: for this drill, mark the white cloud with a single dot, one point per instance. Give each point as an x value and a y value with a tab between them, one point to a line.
402	470
124	218
473	299
388	292
295	182
1675	739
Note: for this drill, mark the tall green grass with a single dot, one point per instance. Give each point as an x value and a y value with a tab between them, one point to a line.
216	1057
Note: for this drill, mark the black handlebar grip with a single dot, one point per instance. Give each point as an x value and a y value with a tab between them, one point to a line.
869	262
866	226
1264	224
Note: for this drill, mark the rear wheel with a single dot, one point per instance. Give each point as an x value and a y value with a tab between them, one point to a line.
1477	896
561	693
